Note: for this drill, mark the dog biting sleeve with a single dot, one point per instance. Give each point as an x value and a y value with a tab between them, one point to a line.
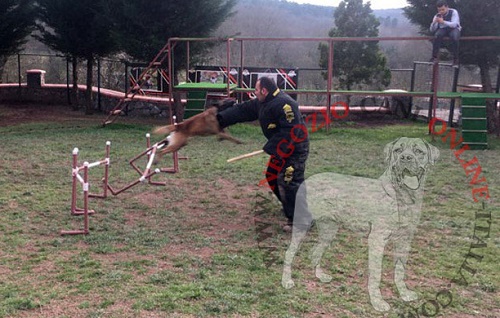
238	113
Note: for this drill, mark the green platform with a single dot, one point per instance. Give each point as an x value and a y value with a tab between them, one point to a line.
204	87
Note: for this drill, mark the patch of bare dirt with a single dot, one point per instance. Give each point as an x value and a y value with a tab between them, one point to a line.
15	114
226	196
22	113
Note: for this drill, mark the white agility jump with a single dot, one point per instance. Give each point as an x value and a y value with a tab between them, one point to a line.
150	152
84	181
145	175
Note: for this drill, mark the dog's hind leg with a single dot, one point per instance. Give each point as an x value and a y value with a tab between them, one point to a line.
327	229
401	251
298	235
172	143
301	223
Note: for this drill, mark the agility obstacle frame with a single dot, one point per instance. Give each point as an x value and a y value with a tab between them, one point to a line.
84	181
150	152
145	176
147	173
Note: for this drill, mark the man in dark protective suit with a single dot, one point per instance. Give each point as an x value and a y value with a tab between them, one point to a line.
287	139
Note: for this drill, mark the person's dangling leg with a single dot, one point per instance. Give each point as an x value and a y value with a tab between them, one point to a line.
436	44
454	35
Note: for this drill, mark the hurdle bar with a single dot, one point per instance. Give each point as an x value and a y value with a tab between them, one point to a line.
105	180
146	174
76	177
83	181
143	178
150	152
85	211
175	156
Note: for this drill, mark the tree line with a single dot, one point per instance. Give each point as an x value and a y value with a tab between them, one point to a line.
84	30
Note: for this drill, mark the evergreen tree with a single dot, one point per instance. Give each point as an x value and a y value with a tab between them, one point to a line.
16	23
145	26
477	18
356	62
80	29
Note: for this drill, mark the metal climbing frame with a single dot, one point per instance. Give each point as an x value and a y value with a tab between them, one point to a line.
156	66
329	92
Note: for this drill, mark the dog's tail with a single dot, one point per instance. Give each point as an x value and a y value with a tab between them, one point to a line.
164	130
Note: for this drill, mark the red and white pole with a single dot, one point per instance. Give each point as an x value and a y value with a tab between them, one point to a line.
86	187
74	173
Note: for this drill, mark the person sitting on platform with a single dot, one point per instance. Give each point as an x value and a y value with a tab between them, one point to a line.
445	23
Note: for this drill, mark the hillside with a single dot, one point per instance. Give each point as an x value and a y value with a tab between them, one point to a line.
278	18
282	18
275	18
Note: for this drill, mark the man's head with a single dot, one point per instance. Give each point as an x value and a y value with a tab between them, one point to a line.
264	87
442	7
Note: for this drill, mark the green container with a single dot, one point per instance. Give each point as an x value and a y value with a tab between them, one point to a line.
474	123
196	94
473	111
474	101
475	140
474	137
195	103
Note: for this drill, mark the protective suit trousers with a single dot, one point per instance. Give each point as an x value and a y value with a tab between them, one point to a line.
285	176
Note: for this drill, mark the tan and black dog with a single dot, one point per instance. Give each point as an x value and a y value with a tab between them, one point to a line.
388	208
203	124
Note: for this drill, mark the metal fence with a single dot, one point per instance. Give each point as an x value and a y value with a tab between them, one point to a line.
116	75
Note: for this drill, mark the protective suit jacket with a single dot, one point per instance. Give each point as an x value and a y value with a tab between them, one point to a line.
280	121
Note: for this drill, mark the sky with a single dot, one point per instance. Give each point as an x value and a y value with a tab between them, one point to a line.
375	4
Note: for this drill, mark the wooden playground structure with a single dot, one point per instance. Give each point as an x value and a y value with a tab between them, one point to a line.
234	72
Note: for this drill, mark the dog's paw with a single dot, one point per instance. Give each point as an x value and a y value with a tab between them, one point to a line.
409	295
287	283
322	276
380	304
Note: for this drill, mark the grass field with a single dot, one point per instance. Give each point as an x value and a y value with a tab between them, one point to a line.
191	248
